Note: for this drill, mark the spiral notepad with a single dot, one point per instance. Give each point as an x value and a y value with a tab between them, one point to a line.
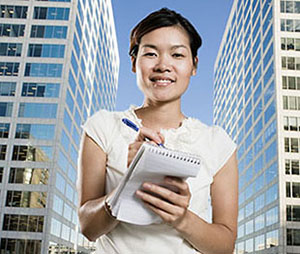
151	164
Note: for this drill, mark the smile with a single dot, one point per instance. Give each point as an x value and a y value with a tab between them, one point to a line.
162	82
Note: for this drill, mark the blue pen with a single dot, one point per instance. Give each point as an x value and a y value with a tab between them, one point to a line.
134	127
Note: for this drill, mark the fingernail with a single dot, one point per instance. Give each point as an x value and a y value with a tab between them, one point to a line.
147	185
139	193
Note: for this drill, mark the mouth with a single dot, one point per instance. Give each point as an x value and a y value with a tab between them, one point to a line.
162	82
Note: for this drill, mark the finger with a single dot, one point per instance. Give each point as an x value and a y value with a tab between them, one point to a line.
168	195
161	137
145	133
157	202
132	150
180	184
168	218
169	213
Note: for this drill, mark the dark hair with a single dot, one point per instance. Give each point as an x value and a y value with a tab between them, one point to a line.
163	18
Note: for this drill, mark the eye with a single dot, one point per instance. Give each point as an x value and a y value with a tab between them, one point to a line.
151	54
178	55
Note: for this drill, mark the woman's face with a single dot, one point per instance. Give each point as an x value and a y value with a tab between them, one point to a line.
164	64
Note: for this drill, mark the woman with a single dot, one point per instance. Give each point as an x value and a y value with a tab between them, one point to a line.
163	52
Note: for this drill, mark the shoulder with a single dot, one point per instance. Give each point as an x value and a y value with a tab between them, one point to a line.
101	127
214	144
104	118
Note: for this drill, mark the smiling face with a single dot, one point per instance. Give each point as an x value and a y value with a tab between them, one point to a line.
164	64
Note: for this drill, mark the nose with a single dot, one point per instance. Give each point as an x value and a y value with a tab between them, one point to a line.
163	64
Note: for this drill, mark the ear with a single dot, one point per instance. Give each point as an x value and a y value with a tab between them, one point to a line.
195	66
133	61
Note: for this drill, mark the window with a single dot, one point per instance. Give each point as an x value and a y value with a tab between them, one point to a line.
26	199
55	227
293	213
60	183
296	190
2	152
28	176
293	236
58	204
32	153
289	6
50	70
9	69
290	44
269	73
291	123
51	13
46	50
7	88
290	25
37	110
40	89
10	49
272	194
24	223
10	30
58	32
6	109
268	56
272	239
4	130
271	152
292	167
13	11
259	222
294	145
249	227
272	216
271	172
13	245
288	189
270	131
291	145
35	131
291	102
290	63
1	174
270	111
290	83
249	246
259	242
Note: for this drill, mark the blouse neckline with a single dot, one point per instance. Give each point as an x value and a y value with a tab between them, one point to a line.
182	128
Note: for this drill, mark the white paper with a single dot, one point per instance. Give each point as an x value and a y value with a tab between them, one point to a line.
150	164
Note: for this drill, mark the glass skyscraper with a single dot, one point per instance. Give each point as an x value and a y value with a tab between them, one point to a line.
59	64
257	101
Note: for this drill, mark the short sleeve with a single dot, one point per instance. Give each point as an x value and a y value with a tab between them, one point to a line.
223	147
97	127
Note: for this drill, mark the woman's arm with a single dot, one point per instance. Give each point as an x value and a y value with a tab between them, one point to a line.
208	238
94	219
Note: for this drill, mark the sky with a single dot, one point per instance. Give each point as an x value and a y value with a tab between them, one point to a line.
209	18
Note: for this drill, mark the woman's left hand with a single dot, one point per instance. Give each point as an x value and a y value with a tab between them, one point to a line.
171	206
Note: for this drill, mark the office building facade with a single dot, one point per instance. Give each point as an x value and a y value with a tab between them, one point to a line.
58	65
257	101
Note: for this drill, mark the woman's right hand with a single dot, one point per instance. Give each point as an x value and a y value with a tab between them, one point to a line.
144	134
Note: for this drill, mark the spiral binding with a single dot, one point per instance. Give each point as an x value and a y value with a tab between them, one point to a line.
174	155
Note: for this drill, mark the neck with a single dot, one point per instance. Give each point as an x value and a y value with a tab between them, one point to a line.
160	115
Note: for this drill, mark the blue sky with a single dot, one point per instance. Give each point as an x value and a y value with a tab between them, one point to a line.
208	16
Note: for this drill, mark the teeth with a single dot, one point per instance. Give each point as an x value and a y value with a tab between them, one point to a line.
162	82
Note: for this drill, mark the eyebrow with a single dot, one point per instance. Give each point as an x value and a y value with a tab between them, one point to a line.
173	47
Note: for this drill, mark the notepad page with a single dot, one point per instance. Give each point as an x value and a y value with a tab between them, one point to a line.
151	166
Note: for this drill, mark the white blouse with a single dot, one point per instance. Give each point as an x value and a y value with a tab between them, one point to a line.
211	144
